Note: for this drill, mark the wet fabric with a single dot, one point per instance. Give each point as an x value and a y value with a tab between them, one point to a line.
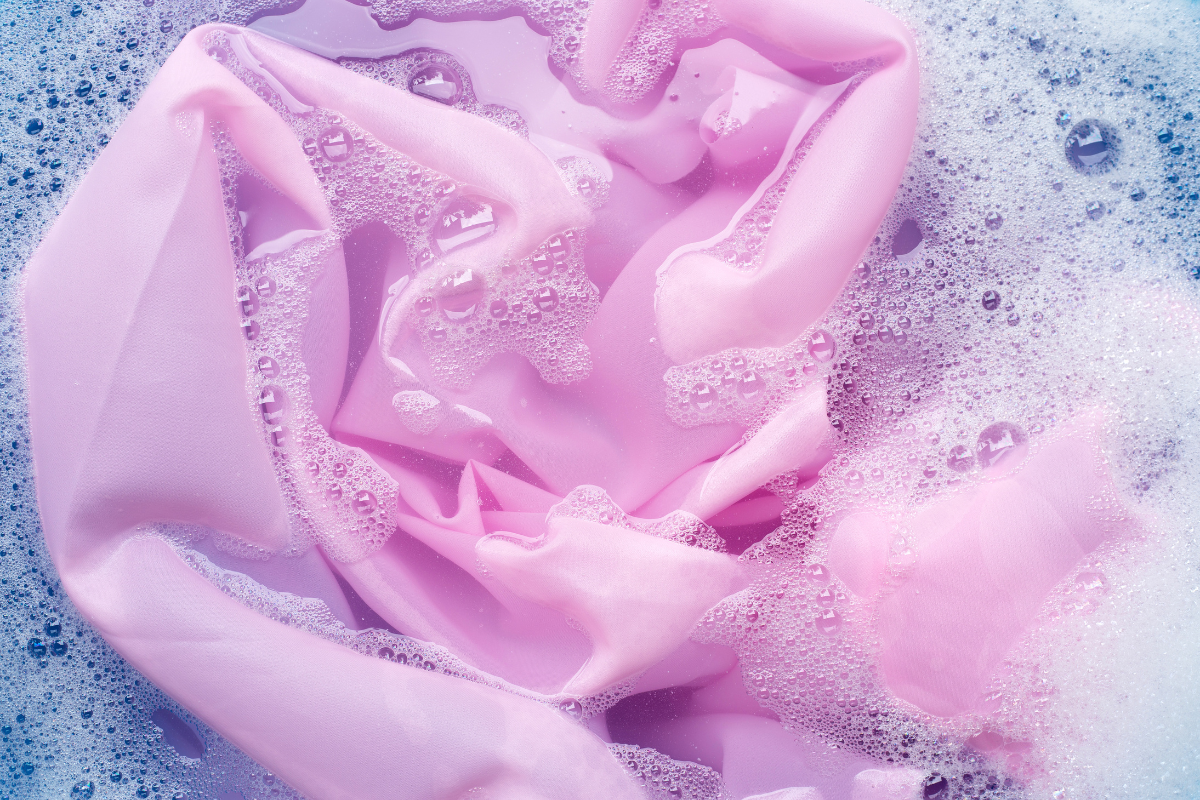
534	510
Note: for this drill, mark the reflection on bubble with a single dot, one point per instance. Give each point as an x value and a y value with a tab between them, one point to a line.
459	293
336	143
437	82
465	220
702	396
997	442
1092	147
821	346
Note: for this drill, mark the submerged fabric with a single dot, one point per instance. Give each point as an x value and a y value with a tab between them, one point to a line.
145	414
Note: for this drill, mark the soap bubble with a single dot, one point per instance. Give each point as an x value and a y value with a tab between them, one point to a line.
821	346
437	82
998	441
465	220
829	622
459	293
702	396
364	502
336	144
1092	147
271	402
960	459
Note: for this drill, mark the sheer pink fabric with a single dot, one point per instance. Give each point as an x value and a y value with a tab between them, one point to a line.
143	413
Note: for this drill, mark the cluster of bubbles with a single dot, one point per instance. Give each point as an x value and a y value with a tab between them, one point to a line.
584	180
463	316
593	504
314	616
740	385
652	50
346	503
243	12
653	45
437	76
664	779
537	307
564	21
807	655
743	247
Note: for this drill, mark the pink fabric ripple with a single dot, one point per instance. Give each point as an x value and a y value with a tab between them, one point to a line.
142	414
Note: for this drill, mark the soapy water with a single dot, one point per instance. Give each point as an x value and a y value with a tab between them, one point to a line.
1037	263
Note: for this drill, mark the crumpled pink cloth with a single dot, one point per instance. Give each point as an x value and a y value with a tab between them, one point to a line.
146	412
983	563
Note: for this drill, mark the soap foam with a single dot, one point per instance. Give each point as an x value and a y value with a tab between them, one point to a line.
1083	267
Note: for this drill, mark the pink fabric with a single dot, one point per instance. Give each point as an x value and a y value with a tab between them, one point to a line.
144	412
985	561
